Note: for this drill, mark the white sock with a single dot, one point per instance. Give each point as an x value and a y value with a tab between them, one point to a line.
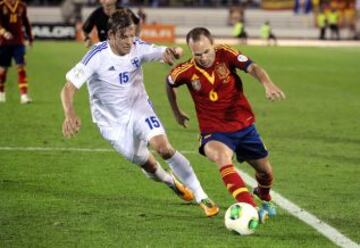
183	170
160	175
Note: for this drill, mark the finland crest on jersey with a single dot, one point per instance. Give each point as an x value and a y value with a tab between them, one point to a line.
114	82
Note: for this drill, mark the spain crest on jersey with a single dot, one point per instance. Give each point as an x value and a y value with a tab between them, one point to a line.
222	72
195	82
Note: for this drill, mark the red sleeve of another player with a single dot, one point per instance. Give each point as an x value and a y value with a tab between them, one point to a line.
177	76
237	59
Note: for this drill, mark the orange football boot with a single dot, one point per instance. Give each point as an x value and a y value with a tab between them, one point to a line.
209	207
181	190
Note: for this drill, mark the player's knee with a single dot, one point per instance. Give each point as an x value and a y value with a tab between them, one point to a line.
219	158
165	150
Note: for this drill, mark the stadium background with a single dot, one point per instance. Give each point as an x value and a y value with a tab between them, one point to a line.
289	18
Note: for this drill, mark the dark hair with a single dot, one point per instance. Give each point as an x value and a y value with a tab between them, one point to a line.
196	33
120	19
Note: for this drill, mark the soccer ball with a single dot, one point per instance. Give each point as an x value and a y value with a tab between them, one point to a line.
242	218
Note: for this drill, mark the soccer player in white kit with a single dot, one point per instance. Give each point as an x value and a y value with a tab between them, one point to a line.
121	108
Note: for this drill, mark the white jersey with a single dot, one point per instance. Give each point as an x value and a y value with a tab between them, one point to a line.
114	82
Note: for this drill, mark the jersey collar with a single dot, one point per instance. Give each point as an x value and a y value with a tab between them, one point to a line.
210	78
11	7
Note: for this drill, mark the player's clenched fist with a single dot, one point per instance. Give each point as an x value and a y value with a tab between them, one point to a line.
182	118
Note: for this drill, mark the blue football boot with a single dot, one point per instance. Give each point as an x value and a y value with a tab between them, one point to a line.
263	215
266	205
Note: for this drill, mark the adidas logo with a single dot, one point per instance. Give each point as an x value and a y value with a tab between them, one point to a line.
111	68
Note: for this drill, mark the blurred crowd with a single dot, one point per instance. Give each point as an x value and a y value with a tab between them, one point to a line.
330	16
334	15
155	3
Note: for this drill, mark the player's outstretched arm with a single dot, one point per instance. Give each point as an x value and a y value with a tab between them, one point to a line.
272	91
72	123
180	116
171	54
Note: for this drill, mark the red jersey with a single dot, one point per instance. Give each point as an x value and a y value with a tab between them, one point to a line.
13	18
217	92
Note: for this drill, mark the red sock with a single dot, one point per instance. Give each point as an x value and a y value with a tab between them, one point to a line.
236	185
2	81
23	87
264	185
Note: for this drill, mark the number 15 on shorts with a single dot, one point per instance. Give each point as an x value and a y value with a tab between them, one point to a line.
153	122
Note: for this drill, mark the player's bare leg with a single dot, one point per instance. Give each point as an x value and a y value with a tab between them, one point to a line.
153	170
222	156
3	72
264	177
23	85
182	168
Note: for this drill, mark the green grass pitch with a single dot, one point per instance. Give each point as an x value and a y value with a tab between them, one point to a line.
97	199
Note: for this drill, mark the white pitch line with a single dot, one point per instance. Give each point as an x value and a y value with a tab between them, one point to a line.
322	227
326	230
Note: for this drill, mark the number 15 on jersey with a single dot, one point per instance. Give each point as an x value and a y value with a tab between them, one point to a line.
153	122
124	77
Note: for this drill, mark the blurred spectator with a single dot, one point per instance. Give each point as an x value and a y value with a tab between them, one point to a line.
302	6
99	18
67	11
316	5
267	34
236	12
333	18
71	11
239	31
350	19
321	23
357	19
156	3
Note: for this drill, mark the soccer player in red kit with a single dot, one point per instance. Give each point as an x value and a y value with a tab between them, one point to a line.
13	18
224	114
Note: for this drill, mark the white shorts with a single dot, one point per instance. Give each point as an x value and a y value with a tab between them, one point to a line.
131	140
